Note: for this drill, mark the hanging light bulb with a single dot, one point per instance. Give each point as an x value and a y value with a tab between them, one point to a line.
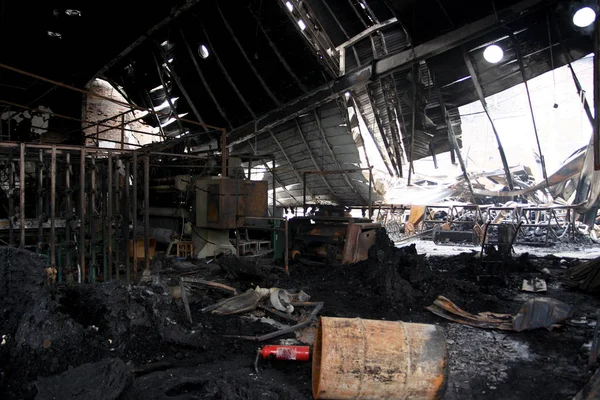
584	17
493	54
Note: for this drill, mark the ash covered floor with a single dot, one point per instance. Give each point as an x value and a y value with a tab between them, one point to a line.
110	340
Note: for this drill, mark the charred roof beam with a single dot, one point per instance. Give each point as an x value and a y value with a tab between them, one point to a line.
224	70
393	121
312	157
332	155
382	131
452	138
295	171
167	94
184	92
481	96
203	79
359	110
243	52
386	65
517	48
278	53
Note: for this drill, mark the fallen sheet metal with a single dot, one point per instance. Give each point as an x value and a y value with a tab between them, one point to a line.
534	285
541	312
447	309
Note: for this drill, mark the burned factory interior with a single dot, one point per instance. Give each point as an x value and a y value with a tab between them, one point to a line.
298	199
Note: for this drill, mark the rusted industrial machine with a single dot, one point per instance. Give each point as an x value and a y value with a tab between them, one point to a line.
331	236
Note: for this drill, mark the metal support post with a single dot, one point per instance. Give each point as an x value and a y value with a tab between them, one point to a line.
286	256
117	215
126	210
91	217
53	212
22	193
274	181
370	190
11	200
223	153
134	216
82	214
147	212
68	214
109	217
412	126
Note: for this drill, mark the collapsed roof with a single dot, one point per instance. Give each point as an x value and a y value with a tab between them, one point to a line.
281	76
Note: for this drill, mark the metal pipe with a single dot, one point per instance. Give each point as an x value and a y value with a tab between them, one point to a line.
126	210
22	193
223	153
412	126
123	131
134	216
370	190
11	200
92	216
53	213
117	214
68	213
82	214
273	184
304	192
109	216
286	256
147	212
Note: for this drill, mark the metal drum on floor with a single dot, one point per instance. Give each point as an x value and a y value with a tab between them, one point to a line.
369	359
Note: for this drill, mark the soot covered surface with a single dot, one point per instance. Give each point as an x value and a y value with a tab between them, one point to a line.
140	335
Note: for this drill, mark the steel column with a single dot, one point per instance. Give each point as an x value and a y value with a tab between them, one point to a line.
147	212
22	193
415	71
135	214
82	214
53	212
11	200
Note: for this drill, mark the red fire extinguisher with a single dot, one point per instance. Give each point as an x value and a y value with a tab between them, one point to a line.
294	353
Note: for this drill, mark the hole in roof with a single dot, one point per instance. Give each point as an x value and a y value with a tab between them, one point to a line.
301	24
493	54
73	13
203	51
584	17
289	6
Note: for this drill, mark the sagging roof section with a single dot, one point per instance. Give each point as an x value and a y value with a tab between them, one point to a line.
318	141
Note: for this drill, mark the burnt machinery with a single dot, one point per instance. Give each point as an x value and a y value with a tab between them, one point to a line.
331	236
209	211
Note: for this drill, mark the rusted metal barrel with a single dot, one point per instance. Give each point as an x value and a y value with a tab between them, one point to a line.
368	359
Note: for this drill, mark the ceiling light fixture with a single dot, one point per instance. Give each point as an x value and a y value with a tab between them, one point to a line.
493	54
203	51
584	17
301	24
289	6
